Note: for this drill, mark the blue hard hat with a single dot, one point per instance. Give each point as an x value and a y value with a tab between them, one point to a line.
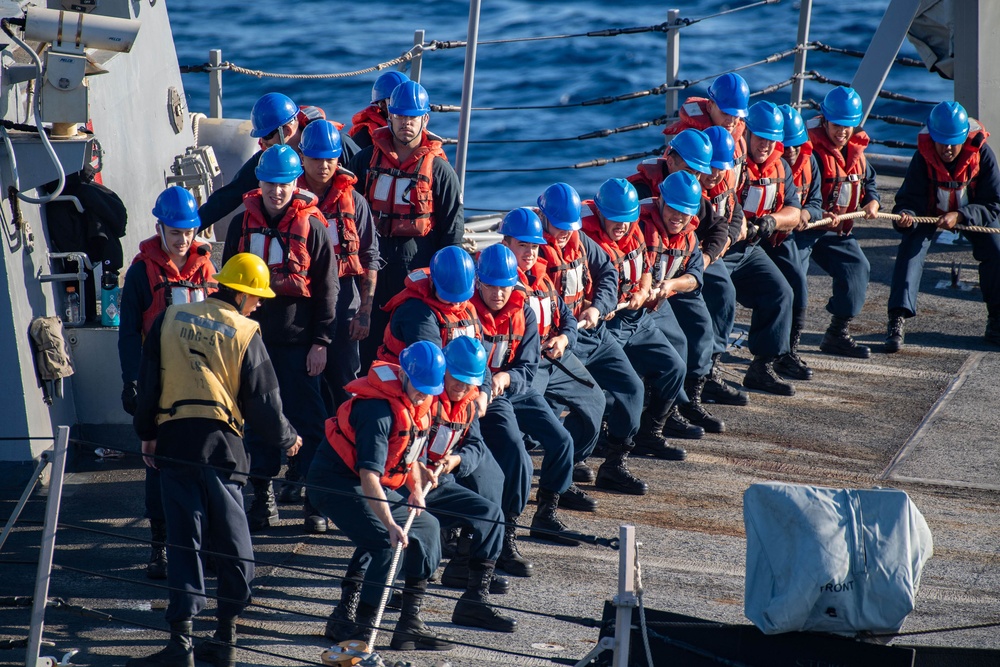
524	225
271	112
723	147
617	200
176	207
321	140
766	121
695	148
731	94
386	83
561	205
948	123
409	99
795	133
497	266
842	106
423	364
681	191
453	274
465	359
279	164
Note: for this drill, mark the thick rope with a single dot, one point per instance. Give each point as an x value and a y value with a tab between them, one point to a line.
920	220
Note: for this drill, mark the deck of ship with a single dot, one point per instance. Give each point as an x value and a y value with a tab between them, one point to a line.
921	420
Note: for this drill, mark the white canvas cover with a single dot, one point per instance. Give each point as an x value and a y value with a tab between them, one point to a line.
832	560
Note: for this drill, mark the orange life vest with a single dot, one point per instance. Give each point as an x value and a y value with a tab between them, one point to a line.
722	197
802	171
455	319
503	330
543	298
283	247
450	423
667	254
843	178
628	255
370	117
338	206
191	283
952	185
694	114
569	271
763	188
650	172
410	423
400	194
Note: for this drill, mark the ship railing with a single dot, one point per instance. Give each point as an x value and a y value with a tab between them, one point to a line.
413	59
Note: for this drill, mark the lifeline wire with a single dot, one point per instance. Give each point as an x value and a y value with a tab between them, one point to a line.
583	537
107	617
576	620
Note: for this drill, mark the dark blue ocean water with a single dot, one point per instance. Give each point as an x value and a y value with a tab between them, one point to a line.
320	36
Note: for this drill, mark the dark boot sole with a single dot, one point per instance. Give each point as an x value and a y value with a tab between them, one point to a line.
555	538
776	390
418	645
737	399
515	569
850	353
630	489
583	476
208	653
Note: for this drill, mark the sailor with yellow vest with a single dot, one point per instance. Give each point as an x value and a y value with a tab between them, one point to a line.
171	267
352	232
414	194
847	185
954	176
205	372
282	226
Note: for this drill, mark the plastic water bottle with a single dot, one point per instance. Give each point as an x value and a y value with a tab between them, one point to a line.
110	299
72	305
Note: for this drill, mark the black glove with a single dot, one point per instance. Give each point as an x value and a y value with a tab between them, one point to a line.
766	224
751	237
130	395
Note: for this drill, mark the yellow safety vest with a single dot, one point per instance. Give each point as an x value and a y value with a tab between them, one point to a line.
201	352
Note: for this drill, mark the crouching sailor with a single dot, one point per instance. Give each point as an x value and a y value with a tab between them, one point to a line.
374	445
204	370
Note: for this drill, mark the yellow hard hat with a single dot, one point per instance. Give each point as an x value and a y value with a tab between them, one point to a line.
247	273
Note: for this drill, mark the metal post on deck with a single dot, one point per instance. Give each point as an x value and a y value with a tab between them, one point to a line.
798	83
48	547
215	84
882	51
468	80
418	60
976	68
626	600
673	60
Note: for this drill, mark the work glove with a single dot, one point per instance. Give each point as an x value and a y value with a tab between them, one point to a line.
130	396
766	224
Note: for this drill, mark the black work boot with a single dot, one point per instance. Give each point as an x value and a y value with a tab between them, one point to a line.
364	622
263	512
894	330
992	335
614	475
511	561
650	439
760	375
837	341
545	525
411	634
177	653
717	390
340	624
220	650
291	493
456	573
583	473
576	499
473	608
790	364
677	426
157	566
312	520
694	411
